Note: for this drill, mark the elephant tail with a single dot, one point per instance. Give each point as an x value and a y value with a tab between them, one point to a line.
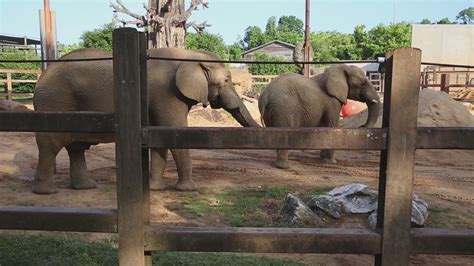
261	107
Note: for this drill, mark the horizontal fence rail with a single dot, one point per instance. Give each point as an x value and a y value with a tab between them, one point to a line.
263	240
299	138
91	122
302	240
263	138
58	219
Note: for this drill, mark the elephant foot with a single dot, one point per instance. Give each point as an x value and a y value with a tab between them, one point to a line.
329	160
44	187
282	164
186	186
83	183
158	185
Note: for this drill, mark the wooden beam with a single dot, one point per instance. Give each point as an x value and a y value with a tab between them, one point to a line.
92	122
445	138
263	240
58	219
397	161
442	241
264	138
128	145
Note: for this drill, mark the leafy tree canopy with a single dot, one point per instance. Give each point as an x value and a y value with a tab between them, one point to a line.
207	41
466	16
99	38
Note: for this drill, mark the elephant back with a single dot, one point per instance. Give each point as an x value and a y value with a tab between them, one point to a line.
77	86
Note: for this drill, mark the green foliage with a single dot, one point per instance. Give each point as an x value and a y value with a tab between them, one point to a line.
253	37
466	16
425	21
290	24
64	49
53	249
235	51
378	40
19	55
99	38
445	21
207	41
270	69
333	45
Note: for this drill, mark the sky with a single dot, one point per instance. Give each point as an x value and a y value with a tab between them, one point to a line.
229	18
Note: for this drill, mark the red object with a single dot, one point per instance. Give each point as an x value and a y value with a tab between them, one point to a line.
350	108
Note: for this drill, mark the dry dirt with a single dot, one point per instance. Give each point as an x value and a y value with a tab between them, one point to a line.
445	179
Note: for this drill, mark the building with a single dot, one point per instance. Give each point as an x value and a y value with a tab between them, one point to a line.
11	43
274	48
445	43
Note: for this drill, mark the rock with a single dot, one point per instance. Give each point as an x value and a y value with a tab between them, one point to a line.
8	105
419	213
356	198
296	213
330	205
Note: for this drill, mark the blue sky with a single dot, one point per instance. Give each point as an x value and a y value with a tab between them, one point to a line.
229	18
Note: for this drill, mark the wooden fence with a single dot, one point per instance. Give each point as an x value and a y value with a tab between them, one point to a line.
391	242
8	93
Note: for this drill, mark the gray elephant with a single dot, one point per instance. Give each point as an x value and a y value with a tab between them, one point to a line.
173	88
293	100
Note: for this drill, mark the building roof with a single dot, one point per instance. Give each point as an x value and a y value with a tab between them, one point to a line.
16	40
291	46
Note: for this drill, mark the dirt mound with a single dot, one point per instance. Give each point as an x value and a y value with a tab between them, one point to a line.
241	79
435	109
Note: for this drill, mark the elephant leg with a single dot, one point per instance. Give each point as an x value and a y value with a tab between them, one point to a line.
182	158
43	180
330	120
158	164
78	166
282	159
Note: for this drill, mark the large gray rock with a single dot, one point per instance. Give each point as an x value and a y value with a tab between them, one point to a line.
419	213
352	198
297	213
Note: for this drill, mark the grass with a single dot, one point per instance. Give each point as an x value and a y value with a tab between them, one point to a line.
443	217
59	250
250	207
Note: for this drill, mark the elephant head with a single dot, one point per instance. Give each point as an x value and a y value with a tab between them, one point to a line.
349	82
212	83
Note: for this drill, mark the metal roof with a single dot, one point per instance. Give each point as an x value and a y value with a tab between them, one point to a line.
16	40
268	43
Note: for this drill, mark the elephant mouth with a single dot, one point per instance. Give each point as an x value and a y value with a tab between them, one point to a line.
215	103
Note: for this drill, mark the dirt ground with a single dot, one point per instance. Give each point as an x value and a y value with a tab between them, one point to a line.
445	179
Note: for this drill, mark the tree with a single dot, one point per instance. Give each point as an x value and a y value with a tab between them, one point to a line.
235	51
253	37
208	42
290	24
271	28
425	21
166	21
99	38
466	16
445	21
333	45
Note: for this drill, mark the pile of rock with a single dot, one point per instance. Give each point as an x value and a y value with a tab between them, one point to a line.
340	201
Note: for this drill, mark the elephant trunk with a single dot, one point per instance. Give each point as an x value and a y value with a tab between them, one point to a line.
374	105
242	115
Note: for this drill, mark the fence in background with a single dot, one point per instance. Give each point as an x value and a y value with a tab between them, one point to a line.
8	81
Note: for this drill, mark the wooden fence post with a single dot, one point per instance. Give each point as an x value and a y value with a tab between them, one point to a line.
127	78
9	87
445	83
143	42
402	86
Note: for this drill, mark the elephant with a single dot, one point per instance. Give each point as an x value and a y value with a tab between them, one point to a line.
293	100
173	88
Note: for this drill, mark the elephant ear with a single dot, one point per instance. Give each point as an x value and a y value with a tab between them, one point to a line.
336	83
192	82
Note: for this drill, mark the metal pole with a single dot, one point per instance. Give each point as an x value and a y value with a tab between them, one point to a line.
306	41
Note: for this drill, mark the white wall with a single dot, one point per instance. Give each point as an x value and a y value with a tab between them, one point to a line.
448	44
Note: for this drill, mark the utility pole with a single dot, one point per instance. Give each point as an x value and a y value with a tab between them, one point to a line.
306	49
47	34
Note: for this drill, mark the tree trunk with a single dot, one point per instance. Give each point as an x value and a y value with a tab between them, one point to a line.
170	34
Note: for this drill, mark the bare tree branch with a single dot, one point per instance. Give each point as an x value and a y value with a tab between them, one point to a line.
199	28
120	8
